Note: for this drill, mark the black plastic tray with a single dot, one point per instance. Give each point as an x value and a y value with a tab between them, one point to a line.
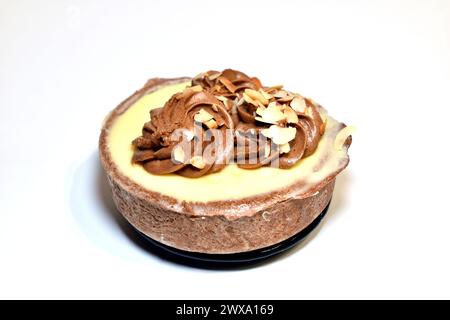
205	260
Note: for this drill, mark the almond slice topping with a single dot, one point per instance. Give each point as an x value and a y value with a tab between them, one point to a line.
248	99
198	162
198	76
309	111
279	135
214	76
257	96
178	154
290	114
211	124
298	104
222	98
272	114
274	88
281	94
285	148
189	91
203	116
266	95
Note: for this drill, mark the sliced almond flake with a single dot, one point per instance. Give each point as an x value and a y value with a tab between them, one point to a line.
280	94
271	114
290	114
260	104
274	88
238	101
200	75
196	88
265	94
285	148
189	91
211	124
198	162
203	116
272	104
248	99
298	104
214	76
309	112
266	133
178	154
257	96
285	99
279	135
226	102
260	111
222	98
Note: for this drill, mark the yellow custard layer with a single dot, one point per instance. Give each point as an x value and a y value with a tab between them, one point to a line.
230	183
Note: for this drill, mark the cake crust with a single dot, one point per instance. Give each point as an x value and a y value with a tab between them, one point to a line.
226	226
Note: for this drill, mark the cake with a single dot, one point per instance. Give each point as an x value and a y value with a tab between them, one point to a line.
220	163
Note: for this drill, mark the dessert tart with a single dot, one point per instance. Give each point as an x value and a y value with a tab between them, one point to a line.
221	164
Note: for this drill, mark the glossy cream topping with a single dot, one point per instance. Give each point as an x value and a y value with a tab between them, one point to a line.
231	182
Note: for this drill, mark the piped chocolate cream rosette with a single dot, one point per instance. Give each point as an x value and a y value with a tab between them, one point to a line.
225	117
186	117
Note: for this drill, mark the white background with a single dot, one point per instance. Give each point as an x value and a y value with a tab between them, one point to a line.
383	66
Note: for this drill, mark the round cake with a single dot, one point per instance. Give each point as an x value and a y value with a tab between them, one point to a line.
220	163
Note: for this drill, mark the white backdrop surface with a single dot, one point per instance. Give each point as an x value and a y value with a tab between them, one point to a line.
383	66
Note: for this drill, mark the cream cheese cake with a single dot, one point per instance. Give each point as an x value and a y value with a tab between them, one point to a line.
234	199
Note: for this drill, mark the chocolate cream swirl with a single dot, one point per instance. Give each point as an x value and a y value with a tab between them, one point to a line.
240	110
